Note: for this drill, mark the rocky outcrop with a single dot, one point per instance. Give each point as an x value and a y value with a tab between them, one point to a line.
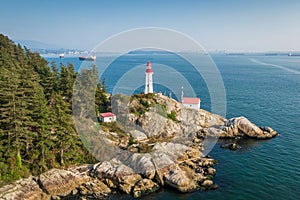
177	165
243	125
239	127
200	118
138	135
144	187
23	189
143	164
121	175
173	164
153	124
153	120
59	182
161	145
231	146
94	189
179	179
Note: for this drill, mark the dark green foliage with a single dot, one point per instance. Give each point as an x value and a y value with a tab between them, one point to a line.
101	100
144	102
149	96
139	110
66	81
36	125
172	116
84	93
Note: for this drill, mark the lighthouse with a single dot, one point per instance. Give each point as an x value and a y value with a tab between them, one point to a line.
149	82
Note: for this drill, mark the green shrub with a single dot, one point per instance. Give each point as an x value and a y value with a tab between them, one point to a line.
149	95
145	103
172	116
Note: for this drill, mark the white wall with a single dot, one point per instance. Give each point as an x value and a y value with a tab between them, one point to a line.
108	119
194	106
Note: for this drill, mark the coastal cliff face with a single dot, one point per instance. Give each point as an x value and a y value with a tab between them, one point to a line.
165	143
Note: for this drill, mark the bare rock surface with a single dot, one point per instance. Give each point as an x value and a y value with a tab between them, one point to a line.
240	127
23	189
138	135
60	182
143	164
121	175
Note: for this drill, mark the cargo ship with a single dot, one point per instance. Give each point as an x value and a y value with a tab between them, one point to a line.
89	58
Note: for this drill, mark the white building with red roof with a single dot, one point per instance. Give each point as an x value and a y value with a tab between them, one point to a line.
190	102
107	117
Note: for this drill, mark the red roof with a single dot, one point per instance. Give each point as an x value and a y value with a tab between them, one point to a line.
189	100
149	68
107	114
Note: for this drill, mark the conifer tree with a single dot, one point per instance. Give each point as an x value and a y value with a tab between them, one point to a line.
36	124
84	92
66	80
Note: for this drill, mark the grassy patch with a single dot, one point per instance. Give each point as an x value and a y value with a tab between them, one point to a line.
140	103
111	127
172	116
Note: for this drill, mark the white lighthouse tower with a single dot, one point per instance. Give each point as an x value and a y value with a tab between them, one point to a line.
149	82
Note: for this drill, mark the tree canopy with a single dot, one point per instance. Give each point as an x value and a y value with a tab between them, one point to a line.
36	125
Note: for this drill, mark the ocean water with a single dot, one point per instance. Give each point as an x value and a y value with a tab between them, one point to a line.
266	90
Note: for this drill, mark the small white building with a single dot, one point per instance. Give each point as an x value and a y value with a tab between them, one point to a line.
108	117
191	102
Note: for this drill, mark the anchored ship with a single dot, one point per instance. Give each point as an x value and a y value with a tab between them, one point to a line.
89	58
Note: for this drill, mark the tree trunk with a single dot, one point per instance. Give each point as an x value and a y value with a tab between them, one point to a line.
43	156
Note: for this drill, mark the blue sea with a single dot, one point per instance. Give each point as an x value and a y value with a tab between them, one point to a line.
265	89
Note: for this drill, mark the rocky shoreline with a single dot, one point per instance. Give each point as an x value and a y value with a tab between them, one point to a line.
165	148
99	180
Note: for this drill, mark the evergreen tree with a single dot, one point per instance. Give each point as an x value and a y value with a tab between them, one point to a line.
36	124
84	93
101	99
15	117
40	66
66	80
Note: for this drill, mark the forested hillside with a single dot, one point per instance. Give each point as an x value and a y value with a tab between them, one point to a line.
36	125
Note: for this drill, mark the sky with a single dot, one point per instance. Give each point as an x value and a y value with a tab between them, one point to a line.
232	25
